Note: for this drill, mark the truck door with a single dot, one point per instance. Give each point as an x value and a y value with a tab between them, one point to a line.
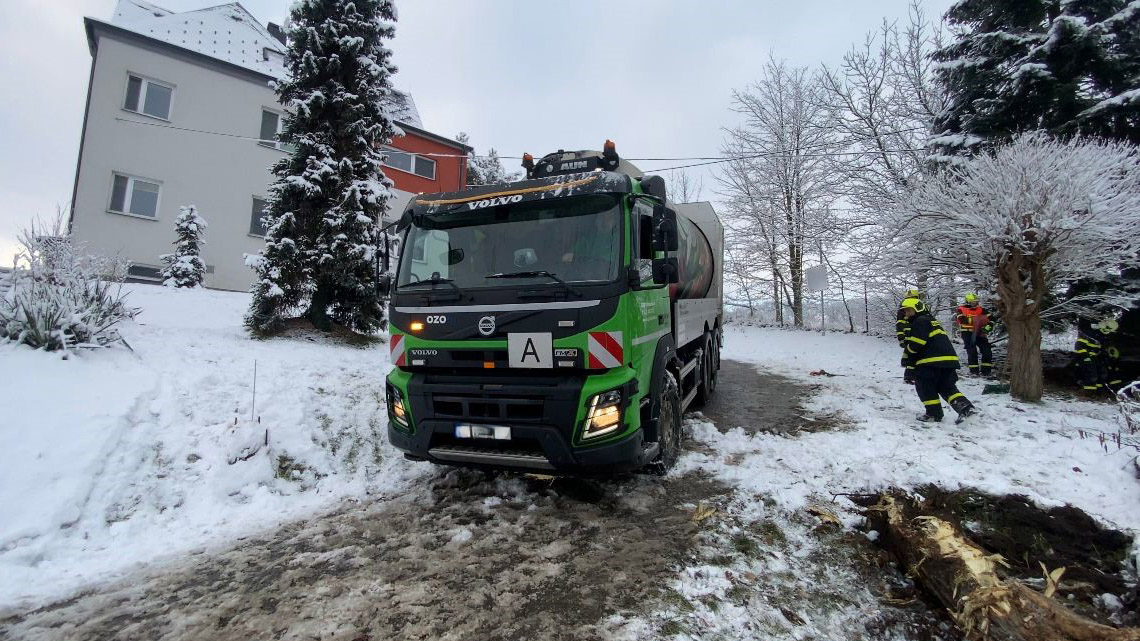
652	300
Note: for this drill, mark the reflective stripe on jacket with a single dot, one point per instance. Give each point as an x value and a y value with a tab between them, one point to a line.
928	345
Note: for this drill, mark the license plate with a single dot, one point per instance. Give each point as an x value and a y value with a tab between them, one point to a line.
496	432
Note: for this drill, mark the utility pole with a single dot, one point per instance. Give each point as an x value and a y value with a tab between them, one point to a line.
822	314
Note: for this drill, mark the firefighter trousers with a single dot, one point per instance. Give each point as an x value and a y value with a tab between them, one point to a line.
932	382
975	343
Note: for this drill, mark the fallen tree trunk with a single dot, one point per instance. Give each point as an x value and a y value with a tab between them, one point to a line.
965	580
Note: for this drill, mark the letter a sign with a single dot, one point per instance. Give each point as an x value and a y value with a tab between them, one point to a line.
530	350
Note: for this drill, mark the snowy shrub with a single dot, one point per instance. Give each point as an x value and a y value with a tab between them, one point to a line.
1128	402
61	297
184	268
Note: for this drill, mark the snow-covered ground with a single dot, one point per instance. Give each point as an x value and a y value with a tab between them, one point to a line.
1012	447
799	581
115	458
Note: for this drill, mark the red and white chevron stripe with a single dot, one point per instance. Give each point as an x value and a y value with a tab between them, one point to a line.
605	350
396	345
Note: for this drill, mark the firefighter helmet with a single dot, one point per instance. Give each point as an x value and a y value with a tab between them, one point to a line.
913	303
971	298
1108	325
913	293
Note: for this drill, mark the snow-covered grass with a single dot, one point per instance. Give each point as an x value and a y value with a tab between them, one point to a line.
115	458
1012	447
773	565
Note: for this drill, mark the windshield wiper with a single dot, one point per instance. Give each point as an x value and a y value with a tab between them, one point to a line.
535	274
438	281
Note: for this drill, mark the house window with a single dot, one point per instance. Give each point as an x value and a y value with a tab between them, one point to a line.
272	125
145	272
256	225
398	160
411	163
425	167
138	196
148	97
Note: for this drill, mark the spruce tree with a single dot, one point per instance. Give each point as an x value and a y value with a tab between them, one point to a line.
184	268
474	170
1065	67
485	170
329	195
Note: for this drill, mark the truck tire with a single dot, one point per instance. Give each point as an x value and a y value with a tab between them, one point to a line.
668	425
715	372
706	372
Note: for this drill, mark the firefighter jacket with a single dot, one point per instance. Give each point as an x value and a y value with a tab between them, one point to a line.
901	328
928	345
1088	347
973	319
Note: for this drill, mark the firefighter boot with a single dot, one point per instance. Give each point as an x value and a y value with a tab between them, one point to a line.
963	406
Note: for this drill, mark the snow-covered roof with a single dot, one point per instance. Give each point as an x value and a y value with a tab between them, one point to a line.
227	32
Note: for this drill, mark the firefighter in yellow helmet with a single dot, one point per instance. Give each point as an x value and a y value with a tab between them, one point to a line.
1098	360
901	329
935	363
975	324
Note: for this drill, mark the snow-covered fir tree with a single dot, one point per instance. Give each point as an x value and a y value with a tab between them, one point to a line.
184	268
487	169
329	195
1063	66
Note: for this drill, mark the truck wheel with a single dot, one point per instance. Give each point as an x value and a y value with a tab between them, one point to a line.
714	369
668	426
707	374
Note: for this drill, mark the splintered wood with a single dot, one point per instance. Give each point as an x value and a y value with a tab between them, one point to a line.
965	580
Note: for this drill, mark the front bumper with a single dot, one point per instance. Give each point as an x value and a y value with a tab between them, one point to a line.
542	412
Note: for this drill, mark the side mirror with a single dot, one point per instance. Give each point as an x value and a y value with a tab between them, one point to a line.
454	256
654	186
525	257
665	271
665	229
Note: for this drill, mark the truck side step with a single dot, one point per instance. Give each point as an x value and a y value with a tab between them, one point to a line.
510	458
690	366
688	400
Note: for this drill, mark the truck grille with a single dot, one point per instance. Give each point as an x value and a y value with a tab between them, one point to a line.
519	409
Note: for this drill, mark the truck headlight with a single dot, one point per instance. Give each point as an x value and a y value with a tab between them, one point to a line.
396	406
605	414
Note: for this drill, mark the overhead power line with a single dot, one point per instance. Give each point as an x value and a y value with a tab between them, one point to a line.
702	160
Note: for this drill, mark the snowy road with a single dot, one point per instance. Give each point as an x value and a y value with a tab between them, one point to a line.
472	555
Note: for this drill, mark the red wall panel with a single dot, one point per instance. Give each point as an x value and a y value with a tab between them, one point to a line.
450	171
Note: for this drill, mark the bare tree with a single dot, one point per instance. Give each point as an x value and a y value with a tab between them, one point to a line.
1027	219
882	100
683	188
783	149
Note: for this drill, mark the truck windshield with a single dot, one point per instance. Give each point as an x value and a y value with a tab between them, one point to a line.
575	240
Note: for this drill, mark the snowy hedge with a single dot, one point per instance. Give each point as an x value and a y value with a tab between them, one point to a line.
62	298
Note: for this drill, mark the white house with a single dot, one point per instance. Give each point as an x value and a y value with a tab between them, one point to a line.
181	110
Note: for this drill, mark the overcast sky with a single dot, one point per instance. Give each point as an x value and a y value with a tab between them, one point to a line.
655	76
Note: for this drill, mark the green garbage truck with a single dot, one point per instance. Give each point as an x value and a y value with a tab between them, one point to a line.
560	324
